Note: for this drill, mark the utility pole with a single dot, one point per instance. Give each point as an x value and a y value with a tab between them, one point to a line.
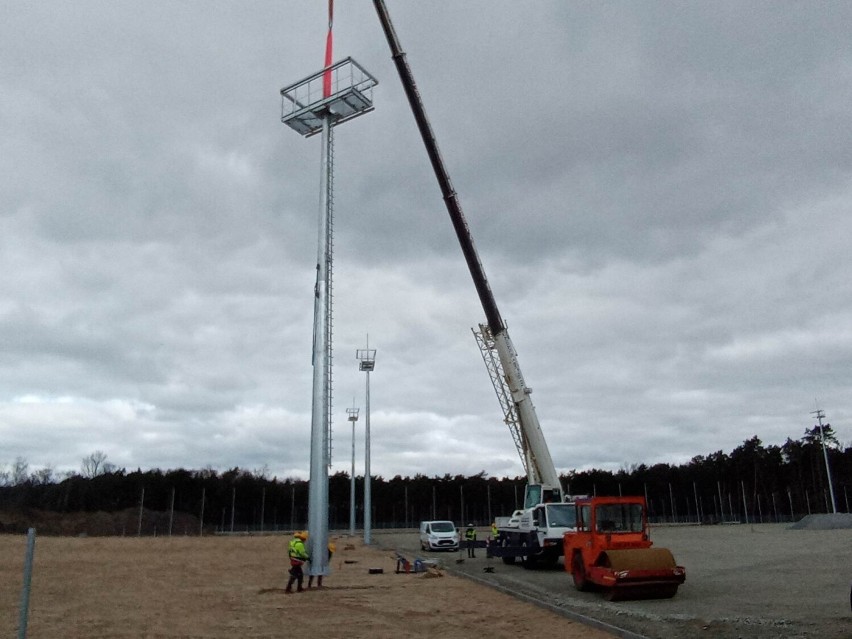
820	415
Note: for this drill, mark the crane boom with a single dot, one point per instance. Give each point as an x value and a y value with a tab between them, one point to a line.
486	297
542	477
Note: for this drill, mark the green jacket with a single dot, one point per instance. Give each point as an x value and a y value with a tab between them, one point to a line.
297	550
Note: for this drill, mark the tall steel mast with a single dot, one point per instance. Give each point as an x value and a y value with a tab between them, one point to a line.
323	100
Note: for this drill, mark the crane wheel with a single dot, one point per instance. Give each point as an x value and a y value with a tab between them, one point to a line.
527	560
509	561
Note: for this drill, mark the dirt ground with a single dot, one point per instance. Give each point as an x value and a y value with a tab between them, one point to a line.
212	587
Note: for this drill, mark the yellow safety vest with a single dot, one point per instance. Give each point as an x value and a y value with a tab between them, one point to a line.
297	551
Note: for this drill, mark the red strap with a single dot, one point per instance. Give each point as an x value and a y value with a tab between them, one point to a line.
326	79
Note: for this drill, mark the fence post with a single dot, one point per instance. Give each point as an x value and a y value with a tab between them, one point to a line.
25	591
141	510
201	516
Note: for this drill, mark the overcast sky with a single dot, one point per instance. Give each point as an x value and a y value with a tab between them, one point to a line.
659	193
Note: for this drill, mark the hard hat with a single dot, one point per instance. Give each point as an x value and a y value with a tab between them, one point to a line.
470	525
301	535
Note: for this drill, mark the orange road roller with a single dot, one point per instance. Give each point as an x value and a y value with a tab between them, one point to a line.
611	551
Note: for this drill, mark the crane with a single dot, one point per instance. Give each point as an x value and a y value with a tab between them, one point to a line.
604	539
543	483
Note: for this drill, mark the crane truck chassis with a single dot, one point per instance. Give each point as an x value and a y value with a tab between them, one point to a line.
537	538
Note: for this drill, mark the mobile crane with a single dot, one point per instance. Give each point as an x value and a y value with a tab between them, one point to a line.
546	516
605	541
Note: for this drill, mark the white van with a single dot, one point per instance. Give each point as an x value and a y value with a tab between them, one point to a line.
438	535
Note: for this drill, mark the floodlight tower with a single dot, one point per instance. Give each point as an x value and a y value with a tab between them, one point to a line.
353	417
338	93
367	357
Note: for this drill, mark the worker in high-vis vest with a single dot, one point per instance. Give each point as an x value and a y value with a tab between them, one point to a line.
298	556
492	540
470	537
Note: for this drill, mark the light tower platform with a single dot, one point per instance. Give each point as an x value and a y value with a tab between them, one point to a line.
303	105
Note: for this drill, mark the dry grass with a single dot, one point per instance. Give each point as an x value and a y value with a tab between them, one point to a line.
233	587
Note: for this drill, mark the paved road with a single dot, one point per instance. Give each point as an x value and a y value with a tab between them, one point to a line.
762	581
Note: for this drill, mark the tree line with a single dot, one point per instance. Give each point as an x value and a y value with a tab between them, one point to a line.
754	482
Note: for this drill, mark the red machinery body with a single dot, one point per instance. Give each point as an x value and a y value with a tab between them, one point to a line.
611	550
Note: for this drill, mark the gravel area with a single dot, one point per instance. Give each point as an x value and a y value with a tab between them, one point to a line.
762	580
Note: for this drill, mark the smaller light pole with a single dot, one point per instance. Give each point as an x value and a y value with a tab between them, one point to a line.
353	417
367	357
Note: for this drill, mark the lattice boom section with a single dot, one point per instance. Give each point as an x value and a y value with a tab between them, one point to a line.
498	379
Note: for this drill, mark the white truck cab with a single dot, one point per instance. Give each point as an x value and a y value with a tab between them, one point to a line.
438	535
537	537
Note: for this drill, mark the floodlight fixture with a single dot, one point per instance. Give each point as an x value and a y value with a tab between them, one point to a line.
367	357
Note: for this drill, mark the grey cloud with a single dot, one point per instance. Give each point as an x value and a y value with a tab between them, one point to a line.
658	192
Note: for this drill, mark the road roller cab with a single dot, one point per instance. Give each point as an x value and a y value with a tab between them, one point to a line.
611	550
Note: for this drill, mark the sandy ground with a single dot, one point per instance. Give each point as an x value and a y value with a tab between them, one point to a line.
210	587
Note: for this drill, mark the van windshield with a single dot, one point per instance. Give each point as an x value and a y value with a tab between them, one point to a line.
443	526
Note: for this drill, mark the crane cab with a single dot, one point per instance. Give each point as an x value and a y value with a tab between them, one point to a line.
535	494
